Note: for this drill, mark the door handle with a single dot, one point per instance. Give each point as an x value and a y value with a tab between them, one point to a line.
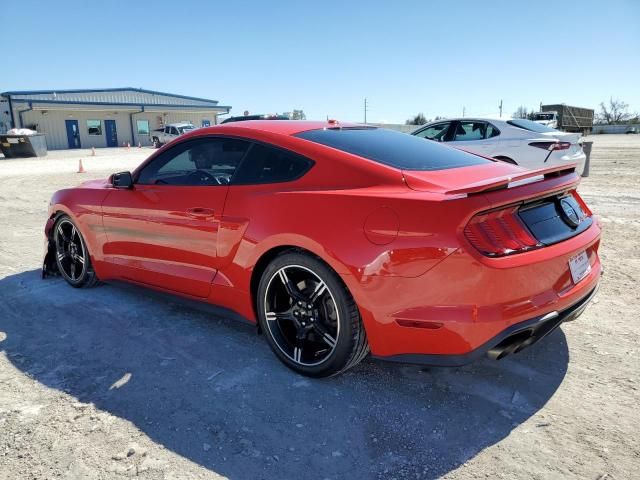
200	212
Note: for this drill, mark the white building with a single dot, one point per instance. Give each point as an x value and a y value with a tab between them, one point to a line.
107	117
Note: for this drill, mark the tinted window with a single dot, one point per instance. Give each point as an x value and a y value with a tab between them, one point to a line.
265	164
529	125
209	161
173	131
392	148
492	131
470	130
434	132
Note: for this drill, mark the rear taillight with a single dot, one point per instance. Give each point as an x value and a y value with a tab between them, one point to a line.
499	233
585	209
551	146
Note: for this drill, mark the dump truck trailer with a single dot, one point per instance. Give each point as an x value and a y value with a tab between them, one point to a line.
568	118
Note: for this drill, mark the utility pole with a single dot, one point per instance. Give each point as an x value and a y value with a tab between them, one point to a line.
464	110
365	110
500	108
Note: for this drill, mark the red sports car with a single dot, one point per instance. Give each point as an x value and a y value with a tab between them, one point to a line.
340	240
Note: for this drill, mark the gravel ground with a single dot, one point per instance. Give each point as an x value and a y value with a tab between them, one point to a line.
121	382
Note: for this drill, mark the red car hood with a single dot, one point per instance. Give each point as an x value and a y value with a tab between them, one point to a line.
478	178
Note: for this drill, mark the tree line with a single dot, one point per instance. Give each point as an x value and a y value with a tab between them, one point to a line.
613	112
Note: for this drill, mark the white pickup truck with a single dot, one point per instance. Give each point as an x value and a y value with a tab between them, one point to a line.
548	119
164	135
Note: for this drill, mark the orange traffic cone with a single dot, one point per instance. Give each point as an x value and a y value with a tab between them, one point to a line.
80	167
139	144
93	151
128	146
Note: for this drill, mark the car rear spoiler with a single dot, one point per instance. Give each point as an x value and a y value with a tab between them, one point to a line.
512	181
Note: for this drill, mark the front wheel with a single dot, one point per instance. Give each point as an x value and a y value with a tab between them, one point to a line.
309	317
72	256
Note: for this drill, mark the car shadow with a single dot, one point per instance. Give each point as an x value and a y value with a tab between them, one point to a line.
209	389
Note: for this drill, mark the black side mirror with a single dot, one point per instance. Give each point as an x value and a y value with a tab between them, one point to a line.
122	180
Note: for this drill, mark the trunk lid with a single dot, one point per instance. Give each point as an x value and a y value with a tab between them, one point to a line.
574	138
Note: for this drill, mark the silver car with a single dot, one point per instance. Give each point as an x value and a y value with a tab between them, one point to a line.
517	141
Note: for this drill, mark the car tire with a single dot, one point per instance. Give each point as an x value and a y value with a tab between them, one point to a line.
308	316
72	255
156	142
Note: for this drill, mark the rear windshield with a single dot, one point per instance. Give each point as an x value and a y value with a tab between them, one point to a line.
396	149
529	125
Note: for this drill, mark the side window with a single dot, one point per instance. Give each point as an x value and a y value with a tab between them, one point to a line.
202	162
173	131
492	131
466	131
435	132
265	164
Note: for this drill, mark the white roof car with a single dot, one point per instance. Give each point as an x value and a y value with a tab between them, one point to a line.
517	141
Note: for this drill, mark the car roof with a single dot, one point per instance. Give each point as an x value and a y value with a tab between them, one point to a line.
469	119
246	118
290	127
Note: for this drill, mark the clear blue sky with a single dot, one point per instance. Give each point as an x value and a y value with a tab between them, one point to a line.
325	57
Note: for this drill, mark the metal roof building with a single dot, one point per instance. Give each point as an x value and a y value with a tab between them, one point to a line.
106	117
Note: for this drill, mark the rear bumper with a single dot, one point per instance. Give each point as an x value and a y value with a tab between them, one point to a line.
511	340
467	299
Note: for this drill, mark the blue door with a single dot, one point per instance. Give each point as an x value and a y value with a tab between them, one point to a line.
111	133
73	133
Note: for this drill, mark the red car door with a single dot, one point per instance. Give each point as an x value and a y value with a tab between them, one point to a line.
164	231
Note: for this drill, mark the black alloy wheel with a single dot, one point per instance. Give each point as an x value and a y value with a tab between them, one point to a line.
308	316
72	256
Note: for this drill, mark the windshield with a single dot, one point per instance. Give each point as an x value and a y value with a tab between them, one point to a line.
543	116
529	125
399	150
